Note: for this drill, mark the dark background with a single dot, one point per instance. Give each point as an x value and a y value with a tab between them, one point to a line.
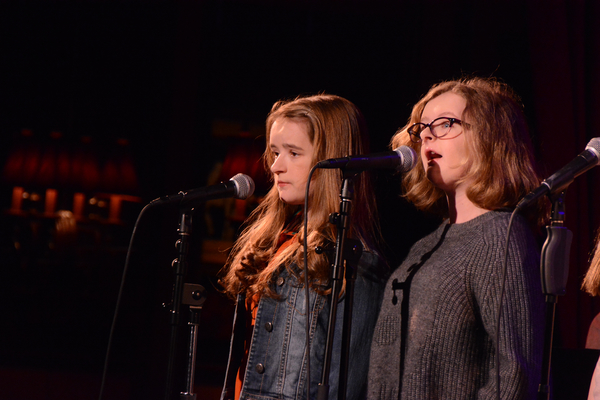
181	81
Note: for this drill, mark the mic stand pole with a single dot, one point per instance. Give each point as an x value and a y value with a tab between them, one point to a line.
179	269
194	296
341	220
353	252
555	271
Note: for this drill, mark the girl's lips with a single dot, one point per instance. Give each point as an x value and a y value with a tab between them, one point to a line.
432	155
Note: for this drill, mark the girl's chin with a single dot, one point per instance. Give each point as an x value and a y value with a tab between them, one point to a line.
437	181
291	202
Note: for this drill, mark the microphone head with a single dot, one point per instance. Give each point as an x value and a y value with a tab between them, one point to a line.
594	146
244	186
408	157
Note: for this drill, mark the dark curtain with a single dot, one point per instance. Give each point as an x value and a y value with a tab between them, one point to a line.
564	41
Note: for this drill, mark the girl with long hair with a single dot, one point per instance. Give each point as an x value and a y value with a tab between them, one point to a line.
591	285
265	270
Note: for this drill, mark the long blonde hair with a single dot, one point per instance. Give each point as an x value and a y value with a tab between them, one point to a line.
336	129
499	146
591	280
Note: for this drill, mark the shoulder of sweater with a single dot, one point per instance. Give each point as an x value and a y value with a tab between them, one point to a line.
500	221
489	231
494	222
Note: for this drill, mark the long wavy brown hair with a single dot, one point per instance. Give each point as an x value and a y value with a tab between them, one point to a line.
501	160
591	281
336	128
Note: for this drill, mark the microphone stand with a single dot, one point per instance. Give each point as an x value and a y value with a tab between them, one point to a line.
554	270
183	293
341	220
355	247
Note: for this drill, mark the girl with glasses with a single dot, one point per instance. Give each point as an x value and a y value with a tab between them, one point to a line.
436	335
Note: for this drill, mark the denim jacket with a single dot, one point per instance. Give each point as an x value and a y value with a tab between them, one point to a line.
277	363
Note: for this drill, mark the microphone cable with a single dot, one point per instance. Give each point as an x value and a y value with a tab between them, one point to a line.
243	188
118	304
306	280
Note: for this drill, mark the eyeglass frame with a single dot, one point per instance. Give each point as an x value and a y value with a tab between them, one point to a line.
419	140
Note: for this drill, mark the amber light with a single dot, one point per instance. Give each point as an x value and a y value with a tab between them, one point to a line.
40	170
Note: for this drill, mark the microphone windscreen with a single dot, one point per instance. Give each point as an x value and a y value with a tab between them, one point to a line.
408	155
244	186
594	145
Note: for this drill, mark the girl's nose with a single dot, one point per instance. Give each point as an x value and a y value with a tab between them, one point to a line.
278	165
426	134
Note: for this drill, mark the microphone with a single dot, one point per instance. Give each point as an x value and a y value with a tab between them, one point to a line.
558	182
240	186
402	159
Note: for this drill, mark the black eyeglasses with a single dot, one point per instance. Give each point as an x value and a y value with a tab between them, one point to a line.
439	128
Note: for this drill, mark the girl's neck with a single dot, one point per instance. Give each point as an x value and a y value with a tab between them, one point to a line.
461	209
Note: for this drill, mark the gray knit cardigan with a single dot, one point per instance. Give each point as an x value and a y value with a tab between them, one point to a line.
436	332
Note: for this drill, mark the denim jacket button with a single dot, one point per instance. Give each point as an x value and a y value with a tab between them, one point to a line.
269	326
260	368
280	281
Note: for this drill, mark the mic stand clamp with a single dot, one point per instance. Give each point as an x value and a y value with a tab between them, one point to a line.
554	267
